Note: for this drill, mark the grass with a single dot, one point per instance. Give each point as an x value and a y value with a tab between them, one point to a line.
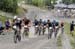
72	43
72	38
4	18
21	10
59	42
66	28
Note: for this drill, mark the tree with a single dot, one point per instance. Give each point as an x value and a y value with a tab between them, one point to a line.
41	2
35	2
38	2
28	1
68	1
50	2
8	5
73	1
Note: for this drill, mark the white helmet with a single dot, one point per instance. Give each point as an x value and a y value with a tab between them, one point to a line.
15	17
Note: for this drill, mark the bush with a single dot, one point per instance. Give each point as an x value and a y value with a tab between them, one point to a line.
3	18
20	10
8	5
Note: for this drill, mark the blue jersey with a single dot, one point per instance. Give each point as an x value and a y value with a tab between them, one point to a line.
44	23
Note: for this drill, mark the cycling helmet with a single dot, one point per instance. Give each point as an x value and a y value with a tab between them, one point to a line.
15	17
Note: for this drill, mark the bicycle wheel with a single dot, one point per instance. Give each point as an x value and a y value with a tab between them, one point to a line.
15	39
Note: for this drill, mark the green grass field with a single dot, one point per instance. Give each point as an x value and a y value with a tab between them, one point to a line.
59	42
72	38
4	18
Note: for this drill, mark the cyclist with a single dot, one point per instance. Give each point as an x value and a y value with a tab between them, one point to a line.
56	28
50	28
44	26
35	22
17	29
40	26
36	26
26	26
53	24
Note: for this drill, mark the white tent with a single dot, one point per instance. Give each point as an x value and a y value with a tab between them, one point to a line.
71	6
60	6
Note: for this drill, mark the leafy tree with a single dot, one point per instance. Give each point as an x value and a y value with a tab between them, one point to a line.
28	1
73	1
68	1
8	5
41	2
48	2
35	2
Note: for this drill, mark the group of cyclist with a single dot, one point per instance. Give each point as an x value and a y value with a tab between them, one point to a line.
53	27
40	26
18	24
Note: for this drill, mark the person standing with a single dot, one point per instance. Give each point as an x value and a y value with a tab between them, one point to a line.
62	27
1	27
7	25
72	28
50	28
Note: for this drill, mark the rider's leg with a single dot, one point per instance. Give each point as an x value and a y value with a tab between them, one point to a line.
39	30
55	32
43	31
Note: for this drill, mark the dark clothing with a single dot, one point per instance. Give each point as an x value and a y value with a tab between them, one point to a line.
7	24
49	24
18	23
72	27
44	23
1	28
62	24
40	22
26	22
35	22
53	25
57	24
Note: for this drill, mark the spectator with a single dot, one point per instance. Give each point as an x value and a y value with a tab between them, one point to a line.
7	25
72	28
1	27
62	27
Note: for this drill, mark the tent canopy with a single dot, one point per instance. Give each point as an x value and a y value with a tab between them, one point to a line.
60	6
71	6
